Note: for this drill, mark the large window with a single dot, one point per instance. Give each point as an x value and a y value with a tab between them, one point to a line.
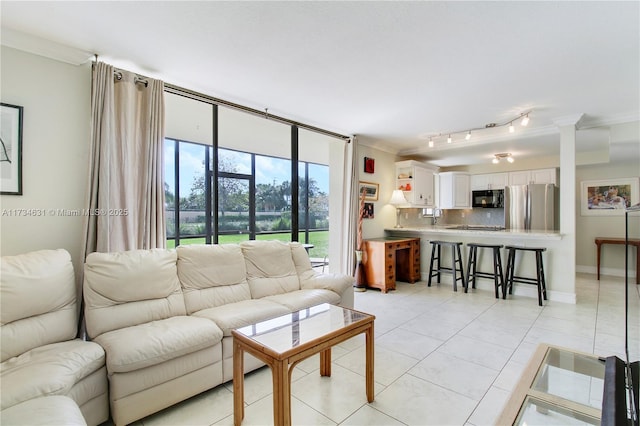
229	178
253	194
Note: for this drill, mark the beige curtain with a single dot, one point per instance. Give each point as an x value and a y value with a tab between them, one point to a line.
126	182
350	206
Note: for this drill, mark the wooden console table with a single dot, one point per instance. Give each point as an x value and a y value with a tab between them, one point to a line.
386	260
632	242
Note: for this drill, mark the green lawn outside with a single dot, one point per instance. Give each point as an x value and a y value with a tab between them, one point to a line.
320	240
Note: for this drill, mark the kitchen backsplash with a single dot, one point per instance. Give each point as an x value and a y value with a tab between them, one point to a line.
491	217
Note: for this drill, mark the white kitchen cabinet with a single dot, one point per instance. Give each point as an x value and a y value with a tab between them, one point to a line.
455	192
489	181
525	177
416	180
543	176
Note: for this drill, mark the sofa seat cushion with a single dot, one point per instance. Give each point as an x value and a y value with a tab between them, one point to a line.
49	410
132	348
48	370
240	314
301	299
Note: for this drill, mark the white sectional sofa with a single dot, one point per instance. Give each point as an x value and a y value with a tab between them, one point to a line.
47	375
164	317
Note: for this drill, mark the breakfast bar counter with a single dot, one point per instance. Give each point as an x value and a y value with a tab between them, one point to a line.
476	231
559	288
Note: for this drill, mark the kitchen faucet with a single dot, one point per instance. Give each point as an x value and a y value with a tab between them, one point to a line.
436	213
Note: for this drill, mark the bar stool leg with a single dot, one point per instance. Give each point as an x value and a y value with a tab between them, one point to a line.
438	264
498	264
433	253
543	284
475	267
454	269
496	259
471	274
538	278
464	279
510	266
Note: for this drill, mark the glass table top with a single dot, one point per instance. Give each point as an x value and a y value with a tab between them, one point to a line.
292	330
571	376
537	412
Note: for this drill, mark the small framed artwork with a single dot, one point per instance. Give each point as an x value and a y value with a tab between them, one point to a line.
608	197
10	149
371	190
368	211
369	165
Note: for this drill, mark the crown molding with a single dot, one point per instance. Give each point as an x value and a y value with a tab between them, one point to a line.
43	47
569	120
591	122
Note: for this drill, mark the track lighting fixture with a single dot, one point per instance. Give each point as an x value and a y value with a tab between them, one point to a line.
502	156
523	117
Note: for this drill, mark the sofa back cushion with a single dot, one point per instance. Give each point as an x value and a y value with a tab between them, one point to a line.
270	268
212	275
37	301
301	261
130	288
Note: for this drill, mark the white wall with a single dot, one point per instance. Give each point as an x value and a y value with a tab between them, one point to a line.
384	175
591	227
56	132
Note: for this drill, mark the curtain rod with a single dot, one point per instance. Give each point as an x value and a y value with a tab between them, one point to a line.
117	74
265	114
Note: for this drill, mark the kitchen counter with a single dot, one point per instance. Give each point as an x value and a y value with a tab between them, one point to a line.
557	287
488	231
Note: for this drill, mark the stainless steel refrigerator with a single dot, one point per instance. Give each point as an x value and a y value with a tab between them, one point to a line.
529	207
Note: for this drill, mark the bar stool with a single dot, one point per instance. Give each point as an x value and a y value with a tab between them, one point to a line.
538	281
496	275
456	265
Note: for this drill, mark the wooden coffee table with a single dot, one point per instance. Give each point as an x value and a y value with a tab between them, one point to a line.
284	341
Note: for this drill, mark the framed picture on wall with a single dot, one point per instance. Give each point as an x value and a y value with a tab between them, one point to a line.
371	190
368	211
369	165
608	197
10	149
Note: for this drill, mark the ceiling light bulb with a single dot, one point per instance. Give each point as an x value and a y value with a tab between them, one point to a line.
430	143
511	128
495	160
449	139
525	120
510	159
468	136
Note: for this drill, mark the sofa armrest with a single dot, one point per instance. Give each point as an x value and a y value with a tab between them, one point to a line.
338	283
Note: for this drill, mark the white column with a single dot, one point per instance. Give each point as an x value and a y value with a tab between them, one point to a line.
567	188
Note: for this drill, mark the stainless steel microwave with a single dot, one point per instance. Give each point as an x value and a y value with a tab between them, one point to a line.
491	198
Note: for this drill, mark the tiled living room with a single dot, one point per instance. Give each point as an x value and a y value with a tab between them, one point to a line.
436	109
442	358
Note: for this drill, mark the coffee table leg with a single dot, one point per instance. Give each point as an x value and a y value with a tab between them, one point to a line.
369	363
238	384
281	393
325	363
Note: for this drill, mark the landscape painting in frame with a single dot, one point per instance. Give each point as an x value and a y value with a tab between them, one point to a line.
608	197
371	190
10	149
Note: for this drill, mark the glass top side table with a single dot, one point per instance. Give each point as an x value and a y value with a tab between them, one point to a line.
558	386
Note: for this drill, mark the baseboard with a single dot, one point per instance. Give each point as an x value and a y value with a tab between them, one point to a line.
613	272
518	290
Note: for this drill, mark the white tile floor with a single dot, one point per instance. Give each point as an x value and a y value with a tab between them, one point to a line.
442	358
